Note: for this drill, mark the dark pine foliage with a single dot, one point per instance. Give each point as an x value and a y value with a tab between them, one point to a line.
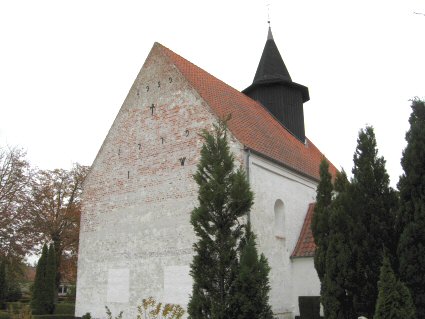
250	291
51	279
44	291
335	286
320	222
360	225
38	302
3	284
394	298
373	204
411	248
224	197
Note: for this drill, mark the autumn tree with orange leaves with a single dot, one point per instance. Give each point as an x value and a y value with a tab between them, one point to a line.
55	209
16	238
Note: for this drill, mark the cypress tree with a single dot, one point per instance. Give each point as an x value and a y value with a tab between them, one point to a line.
372	211
335	285
320	222
411	248
51	279
224	197
394	298
3	284
39	302
250	299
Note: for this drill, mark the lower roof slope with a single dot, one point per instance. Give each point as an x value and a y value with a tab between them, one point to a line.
250	122
306	246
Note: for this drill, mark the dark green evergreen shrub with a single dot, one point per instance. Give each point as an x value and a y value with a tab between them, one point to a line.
3	284
53	316
64	309
394	298
51	291
86	316
14	292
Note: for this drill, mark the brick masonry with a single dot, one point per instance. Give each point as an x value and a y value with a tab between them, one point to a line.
136	238
139	195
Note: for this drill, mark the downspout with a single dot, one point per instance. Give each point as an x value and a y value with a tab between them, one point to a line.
248	154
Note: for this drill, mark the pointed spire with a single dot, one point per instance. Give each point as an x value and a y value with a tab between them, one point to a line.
271	66
274	89
270	35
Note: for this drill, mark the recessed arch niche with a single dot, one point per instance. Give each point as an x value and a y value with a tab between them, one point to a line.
279	219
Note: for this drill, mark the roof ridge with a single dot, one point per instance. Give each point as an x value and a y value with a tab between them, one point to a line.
249	100
251	124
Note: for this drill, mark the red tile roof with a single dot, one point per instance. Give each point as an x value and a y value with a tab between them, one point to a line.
305	246
251	123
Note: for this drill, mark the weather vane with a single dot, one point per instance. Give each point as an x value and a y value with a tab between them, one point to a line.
268	12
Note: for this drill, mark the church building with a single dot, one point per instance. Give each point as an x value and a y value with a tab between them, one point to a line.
136	238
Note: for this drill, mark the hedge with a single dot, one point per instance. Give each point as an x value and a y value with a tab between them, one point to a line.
53	317
64	309
4	315
14	307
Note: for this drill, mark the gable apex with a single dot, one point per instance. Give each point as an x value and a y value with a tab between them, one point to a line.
251	122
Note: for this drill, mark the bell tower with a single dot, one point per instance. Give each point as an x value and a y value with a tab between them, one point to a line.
275	90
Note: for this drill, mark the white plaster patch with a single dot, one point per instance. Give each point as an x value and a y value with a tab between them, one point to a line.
177	284
118	285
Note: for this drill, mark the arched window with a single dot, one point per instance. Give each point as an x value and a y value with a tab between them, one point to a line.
279	219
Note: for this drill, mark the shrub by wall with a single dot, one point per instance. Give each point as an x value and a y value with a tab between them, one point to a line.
64	309
14	307
53	316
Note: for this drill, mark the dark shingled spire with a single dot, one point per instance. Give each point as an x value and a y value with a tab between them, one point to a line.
271	66
274	89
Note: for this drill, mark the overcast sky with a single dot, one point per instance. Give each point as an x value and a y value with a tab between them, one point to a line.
67	66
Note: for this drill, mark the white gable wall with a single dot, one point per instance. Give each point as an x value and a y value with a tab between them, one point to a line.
270	183
136	237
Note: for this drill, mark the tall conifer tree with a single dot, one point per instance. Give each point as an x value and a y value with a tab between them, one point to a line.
250	293
361	226
411	249
39	296
224	197
51	270
44	290
336	297
372	210
3	284
320	222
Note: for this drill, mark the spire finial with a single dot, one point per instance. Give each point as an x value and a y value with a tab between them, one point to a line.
269	35
268	13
